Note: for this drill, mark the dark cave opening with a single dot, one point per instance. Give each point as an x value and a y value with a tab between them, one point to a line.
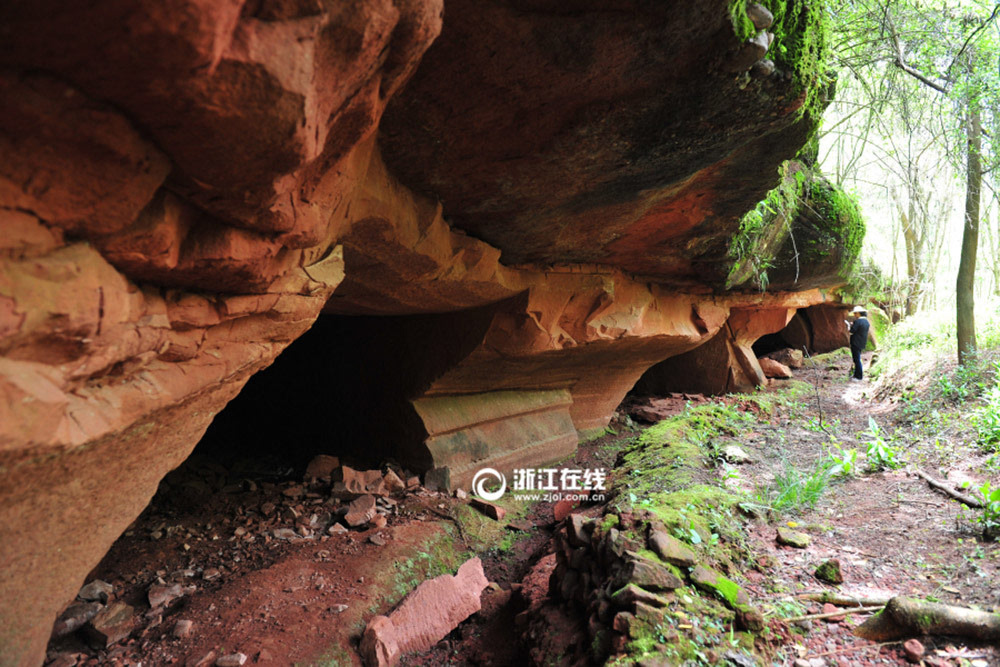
344	388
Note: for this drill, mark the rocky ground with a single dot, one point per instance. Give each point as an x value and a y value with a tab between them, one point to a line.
248	565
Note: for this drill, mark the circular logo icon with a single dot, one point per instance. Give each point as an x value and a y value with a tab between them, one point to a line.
488	475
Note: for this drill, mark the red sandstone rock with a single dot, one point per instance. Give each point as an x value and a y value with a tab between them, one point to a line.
322	465
787	356
774	369
494	512
425	616
360	511
353	480
122	339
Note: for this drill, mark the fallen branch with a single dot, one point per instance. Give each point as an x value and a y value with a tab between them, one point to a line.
850	649
841	600
941	486
909	617
832	614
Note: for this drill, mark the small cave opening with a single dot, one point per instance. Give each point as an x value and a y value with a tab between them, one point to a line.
769	343
702	370
342	389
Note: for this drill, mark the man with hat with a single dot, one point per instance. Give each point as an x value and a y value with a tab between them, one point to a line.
859	338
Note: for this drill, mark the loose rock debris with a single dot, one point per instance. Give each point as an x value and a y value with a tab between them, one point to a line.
113	619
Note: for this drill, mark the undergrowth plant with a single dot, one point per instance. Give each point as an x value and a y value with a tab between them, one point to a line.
987	422
881	453
989	515
844	461
793	490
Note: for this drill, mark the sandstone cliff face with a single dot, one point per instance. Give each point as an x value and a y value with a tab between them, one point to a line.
185	185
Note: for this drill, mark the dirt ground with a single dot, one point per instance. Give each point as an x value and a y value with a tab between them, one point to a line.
305	599
890	531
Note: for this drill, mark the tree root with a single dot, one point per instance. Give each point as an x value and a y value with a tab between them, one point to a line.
833	614
909	617
842	600
941	486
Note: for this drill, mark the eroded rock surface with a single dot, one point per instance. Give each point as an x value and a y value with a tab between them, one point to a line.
186	185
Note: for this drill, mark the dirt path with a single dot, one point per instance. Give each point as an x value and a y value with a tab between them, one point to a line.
890	531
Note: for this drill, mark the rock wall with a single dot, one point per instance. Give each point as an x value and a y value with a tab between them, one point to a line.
187	184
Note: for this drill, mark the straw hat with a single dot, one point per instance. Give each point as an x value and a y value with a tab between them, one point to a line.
858	309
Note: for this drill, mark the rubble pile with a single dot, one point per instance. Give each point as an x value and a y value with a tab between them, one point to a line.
625	587
108	620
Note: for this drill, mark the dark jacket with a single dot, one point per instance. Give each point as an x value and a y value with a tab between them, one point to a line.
859	332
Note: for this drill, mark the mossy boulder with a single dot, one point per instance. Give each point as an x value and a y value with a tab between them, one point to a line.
807	233
829	571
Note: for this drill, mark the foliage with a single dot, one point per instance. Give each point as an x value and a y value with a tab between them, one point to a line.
793	490
801	44
987	421
764	228
881	454
841	211
989	515
844	462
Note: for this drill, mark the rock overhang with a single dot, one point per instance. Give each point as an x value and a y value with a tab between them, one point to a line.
187	184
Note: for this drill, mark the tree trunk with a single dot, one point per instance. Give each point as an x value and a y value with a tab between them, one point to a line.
907	617
965	298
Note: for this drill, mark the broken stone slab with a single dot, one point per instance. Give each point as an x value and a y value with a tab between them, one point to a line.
322	465
231	660
774	369
75	617
792	538
392	481
629	595
671	550
710	581
65	660
353	480
203	661
425	616
360	511
161	596
787	356
285	534
494	512
111	625
650	575
96	591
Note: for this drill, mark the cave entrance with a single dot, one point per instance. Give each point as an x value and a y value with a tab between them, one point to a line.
344	388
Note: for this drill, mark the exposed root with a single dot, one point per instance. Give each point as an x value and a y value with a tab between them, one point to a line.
909	617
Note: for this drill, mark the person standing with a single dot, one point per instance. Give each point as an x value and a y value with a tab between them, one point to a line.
859	338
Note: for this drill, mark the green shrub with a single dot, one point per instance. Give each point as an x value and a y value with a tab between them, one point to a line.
881	454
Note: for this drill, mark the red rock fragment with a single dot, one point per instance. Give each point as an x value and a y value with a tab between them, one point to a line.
425	616
774	369
322	465
353	480
392	482
360	511
489	509
111	625
829	609
914	650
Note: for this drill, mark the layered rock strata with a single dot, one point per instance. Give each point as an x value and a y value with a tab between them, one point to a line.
187	184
